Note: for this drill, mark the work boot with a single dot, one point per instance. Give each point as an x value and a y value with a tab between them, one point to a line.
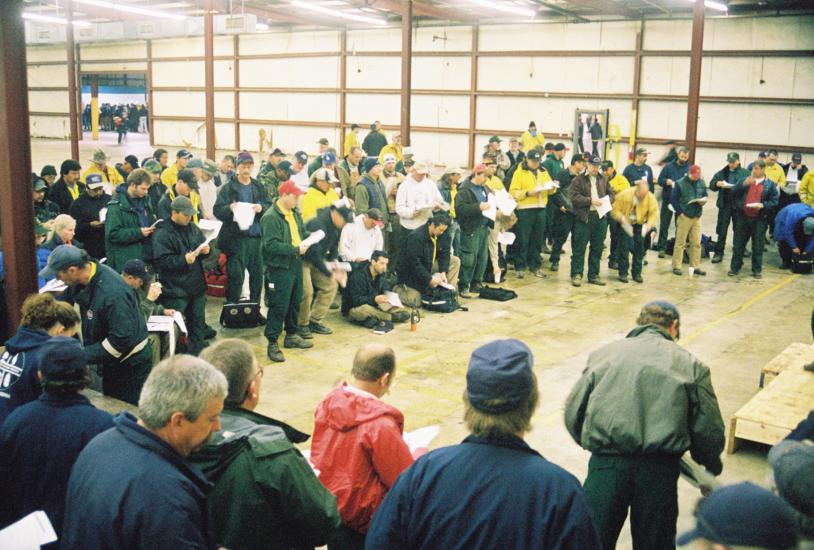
613	264
370	322
539	273
785	266
638	278
733	273
623	278
554	266
700	272
273	352
318	328
521	273
209	333
464	293
400	316
305	333
476	287
576	280
596	281
296	341
757	275
718	258
677	271
662	254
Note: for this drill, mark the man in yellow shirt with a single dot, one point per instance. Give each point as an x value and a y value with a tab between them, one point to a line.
531	138
351	140
807	188
320	194
110	176
393	148
528	189
774	171
170	175
636	211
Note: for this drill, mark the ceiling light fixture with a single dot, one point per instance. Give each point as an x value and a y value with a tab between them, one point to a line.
508	8
714	5
131	9
336	13
51	19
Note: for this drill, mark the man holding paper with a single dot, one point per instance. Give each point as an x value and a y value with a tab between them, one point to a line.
562	211
179	245
722	182
688	198
635	210
670	174
472	203
367	300
531	187
754	199
592	197
416	199
130	222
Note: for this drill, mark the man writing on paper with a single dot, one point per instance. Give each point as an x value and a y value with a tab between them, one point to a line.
562	210
179	245
130	222
367	298
635	210
688	199
416	199
147	291
86	209
591	195
471	202
362	237
529	189
722	183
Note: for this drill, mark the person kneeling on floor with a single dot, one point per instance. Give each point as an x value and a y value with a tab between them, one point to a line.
794	232
364	299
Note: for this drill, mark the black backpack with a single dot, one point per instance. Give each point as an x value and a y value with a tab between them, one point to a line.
497	294
240	315
442	300
802	264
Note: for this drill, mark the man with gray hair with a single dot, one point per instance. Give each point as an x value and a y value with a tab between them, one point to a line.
640	404
132	486
445	499
256	470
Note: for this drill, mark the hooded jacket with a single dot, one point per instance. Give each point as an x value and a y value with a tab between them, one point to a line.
358	449
130	490
123	238
265	494
788	227
19	364
645	395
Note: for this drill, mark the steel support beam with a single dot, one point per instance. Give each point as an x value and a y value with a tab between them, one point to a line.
473	94
343	95
696	57
422	9
637	82
209	71
406	68
236	94
73	111
150	92
17	217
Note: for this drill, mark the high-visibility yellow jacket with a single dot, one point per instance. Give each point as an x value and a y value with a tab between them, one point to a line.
523	181
647	210
529	142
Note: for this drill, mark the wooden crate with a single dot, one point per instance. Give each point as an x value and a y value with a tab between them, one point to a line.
796	354
776	410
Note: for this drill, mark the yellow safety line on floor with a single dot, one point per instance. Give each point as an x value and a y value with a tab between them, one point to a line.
740	309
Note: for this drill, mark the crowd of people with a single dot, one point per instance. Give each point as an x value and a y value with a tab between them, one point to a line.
370	233
121	118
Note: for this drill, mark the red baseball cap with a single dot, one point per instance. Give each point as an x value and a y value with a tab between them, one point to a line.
288	188
480	168
695	171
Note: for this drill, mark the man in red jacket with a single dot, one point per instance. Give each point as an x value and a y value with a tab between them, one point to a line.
357	445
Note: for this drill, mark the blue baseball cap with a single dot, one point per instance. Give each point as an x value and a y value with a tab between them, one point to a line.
499	371
61	354
745	515
328	157
183	154
63	257
94	181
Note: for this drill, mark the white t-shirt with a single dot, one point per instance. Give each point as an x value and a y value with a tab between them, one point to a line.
357	241
208	193
301	179
412	196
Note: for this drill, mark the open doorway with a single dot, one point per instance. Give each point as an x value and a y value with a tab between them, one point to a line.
591	131
114	108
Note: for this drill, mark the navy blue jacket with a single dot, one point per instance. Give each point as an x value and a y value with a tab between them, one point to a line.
130	490
18	369
634	173
39	444
484	494
673	171
788	227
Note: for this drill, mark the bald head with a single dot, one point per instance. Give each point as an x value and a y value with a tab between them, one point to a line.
373	361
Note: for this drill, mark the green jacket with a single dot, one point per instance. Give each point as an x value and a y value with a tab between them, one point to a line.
553	165
646	395
267	176
684	191
148	308
278	252
314	165
123	238
265	493
730	176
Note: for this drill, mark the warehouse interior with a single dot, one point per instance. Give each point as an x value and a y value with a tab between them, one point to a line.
221	76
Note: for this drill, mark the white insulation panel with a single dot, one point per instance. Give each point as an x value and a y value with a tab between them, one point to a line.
308	72
556	74
311	107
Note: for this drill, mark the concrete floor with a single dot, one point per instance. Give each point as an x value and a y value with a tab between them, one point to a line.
733	325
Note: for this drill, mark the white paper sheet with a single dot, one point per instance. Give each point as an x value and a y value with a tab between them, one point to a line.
244	215
700	200
445	206
210	229
421	438
157	222
505	202
103	215
549	185
605	207
30	533
727	185
446	285
791	187
490	212
628	229
314	238
393	299
753	205
163	323
506	238
54	285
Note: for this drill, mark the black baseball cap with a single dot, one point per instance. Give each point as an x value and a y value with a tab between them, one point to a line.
183	154
607	164
138	269
187	176
576	158
301	156
596	161
534	154
284	165
560	147
61	354
50	170
38	184
548	146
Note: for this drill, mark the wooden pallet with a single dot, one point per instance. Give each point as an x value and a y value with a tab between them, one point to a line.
776	410
796	354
